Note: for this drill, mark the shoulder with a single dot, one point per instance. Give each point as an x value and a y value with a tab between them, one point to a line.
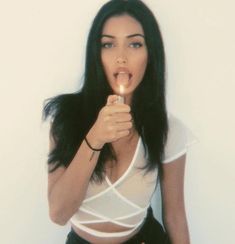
179	138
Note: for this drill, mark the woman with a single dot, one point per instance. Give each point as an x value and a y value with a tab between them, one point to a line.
111	140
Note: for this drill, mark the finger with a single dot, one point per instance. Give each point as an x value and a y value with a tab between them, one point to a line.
117	108
123	126
121	134
122	117
111	99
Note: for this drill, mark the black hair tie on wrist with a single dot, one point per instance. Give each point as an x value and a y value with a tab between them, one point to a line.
92	148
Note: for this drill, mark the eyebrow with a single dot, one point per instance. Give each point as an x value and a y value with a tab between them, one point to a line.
129	36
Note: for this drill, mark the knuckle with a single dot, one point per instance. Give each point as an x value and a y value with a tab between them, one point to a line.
129	124
129	117
128	108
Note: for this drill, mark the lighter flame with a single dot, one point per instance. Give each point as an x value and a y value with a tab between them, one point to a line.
121	89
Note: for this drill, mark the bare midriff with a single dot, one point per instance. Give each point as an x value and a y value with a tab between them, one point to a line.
105	227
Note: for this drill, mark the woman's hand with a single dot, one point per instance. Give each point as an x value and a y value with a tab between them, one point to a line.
113	123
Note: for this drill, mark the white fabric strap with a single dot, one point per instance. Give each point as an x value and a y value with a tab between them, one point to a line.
104	234
106	219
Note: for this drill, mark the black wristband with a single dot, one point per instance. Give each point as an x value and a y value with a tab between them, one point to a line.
92	148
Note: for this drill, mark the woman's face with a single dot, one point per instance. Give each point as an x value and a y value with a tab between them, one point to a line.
124	54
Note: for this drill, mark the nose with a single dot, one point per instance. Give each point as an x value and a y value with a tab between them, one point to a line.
121	60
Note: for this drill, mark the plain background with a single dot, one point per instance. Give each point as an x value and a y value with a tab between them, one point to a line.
42	54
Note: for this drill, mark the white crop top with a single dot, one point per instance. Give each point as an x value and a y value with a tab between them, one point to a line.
125	202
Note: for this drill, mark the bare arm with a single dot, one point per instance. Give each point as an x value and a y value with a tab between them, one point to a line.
173	201
67	186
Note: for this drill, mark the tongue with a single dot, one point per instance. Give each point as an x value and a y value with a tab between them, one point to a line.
122	79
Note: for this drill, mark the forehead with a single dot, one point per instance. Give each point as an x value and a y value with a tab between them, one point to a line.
122	25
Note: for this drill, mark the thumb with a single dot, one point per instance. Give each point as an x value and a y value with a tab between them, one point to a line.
112	99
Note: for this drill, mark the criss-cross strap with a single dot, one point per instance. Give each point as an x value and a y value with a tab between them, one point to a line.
123	203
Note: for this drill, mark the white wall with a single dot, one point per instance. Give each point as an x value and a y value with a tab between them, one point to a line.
42	54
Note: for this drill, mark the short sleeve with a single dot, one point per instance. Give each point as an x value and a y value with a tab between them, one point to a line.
179	139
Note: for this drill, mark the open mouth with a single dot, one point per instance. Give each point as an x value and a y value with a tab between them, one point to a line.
122	74
122	78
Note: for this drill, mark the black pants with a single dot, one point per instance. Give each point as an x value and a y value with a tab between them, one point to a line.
150	233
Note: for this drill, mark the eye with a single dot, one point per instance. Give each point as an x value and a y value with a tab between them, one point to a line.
136	44
107	45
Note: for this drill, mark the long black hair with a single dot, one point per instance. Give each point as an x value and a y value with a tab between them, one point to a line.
74	114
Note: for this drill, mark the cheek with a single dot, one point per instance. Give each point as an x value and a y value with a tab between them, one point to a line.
140	67
141	63
105	59
145	58
144	62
